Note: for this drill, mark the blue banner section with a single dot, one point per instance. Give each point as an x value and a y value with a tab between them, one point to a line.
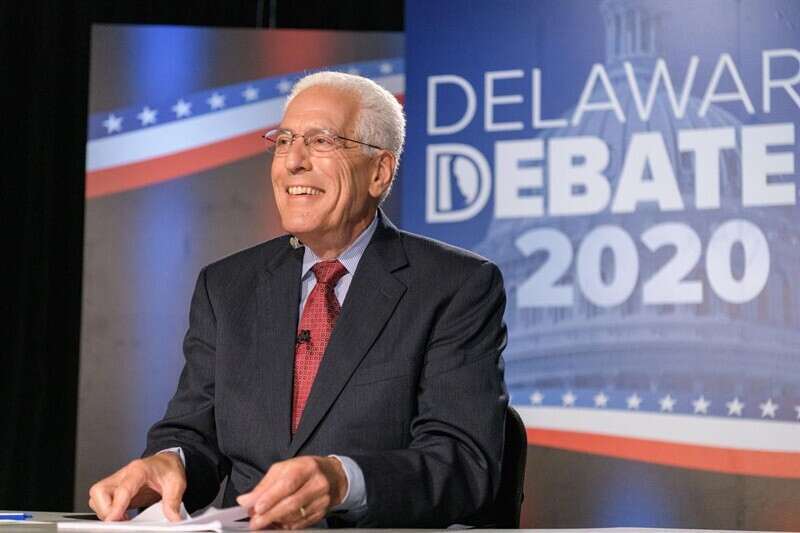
632	168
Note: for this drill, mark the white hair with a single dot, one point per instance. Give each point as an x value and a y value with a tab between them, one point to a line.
380	119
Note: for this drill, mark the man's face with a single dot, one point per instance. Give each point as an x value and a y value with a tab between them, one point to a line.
326	199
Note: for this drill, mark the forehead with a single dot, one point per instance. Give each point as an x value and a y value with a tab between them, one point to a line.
321	107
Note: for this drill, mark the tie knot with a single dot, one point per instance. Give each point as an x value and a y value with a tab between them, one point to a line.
329	272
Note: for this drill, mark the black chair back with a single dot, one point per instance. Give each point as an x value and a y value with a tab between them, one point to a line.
505	512
508	504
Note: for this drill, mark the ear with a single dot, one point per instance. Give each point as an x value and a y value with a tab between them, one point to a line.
382	173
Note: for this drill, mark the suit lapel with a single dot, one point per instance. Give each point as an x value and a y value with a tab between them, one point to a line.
371	300
278	297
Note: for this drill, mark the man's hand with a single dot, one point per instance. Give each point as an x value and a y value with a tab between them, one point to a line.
296	493
140	484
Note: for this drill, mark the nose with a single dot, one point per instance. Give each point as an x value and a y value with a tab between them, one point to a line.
296	159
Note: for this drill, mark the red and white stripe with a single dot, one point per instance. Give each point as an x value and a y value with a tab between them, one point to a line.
151	155
752	447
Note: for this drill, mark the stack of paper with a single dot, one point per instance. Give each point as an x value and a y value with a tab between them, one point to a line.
153	519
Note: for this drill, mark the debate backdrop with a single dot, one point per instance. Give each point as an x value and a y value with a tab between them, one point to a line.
631	166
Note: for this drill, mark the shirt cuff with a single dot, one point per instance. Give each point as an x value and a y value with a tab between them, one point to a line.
355	499
177	451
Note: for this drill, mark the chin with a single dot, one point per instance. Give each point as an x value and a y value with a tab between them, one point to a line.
298	225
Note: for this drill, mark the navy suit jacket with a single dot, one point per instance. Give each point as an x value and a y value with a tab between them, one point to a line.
410	385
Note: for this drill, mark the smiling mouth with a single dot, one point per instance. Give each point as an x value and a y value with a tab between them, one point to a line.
302	190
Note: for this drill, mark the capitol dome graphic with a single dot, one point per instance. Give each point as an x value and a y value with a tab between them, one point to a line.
593	356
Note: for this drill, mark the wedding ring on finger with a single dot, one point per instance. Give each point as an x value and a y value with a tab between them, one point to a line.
302	511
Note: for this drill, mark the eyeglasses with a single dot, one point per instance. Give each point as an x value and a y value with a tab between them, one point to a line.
318	140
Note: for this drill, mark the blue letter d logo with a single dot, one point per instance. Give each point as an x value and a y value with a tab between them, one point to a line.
458	182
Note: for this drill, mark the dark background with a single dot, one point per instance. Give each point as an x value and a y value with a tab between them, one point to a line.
44	65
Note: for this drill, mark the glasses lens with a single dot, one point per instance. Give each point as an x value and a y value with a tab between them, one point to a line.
278	141
320	141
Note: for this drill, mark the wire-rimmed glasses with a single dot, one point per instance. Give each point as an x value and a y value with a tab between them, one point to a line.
319	141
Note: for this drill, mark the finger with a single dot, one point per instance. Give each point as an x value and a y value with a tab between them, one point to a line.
171	497
122	496
310	498
119	504
100	500
246	499
249	499
312	515
299	517
277	485
310	521
276	493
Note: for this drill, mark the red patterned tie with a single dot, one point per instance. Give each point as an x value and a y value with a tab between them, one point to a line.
316	325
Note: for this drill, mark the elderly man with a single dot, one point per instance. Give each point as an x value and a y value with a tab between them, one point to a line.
350	371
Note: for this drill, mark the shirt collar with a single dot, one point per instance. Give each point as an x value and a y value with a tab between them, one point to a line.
349	258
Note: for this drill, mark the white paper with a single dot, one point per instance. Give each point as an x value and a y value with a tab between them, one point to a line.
153	519
155	513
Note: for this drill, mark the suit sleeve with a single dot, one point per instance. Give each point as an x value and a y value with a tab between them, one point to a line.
189	421
451	469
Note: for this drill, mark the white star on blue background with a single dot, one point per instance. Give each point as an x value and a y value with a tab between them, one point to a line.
667	403
633	401
568	400
216	101
147	116
600	399
768	409
284	86
701	405
250	93
734	407
112	123
182	108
